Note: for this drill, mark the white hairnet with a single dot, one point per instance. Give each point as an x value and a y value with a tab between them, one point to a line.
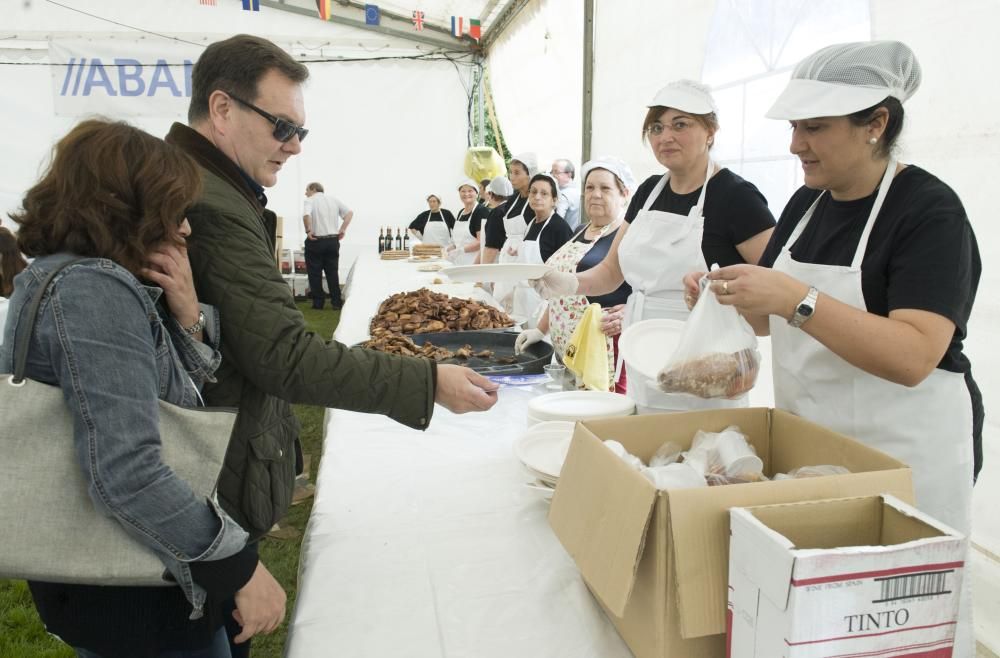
616	166
686	96
846	78
550	177
529	160
471	183
500	186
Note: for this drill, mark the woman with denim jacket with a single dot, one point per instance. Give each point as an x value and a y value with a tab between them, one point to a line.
118	331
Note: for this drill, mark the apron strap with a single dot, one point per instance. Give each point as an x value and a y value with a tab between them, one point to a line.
883	190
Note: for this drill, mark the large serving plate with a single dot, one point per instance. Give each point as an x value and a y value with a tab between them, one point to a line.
496	272
646	346
578	405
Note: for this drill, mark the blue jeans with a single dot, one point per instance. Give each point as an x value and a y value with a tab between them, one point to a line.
218	649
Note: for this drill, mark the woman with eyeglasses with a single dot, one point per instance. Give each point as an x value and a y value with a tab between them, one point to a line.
433	226
118	331
694	213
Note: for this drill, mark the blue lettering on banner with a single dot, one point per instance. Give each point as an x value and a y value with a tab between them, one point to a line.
134	78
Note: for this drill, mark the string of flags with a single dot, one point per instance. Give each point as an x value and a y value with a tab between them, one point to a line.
460	25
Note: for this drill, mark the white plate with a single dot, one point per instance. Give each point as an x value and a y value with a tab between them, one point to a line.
430	267
542	449
646	346
496	272
579	405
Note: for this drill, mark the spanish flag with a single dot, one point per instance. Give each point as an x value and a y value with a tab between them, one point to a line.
324	8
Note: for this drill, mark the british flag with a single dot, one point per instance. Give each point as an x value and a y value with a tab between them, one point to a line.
418	20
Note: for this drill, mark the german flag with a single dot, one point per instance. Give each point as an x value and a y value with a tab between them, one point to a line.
324	8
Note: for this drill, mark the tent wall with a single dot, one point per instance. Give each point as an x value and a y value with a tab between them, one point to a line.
383	134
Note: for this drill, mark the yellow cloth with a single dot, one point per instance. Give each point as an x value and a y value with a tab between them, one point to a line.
484	162
587	351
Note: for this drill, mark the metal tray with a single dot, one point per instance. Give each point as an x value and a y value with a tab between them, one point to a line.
529	362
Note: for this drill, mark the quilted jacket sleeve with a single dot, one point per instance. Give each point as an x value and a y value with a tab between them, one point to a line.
264	336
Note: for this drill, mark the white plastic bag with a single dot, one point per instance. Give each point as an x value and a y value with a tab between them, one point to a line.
717	355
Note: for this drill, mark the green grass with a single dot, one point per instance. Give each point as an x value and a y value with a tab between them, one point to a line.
22	634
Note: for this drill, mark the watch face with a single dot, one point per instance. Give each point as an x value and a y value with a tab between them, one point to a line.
804	310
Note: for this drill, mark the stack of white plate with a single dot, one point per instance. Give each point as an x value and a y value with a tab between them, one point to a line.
542	451
578	405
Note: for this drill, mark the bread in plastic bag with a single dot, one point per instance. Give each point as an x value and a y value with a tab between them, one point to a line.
717	354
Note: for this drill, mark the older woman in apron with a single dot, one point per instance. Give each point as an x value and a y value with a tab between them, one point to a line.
694	214
546	233
433	226
468	224
867	285
607	185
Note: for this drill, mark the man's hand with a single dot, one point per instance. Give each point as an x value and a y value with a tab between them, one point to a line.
310	236
460	390
260	605
341	234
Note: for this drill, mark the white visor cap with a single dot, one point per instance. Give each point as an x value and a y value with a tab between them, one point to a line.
500	186
685	96
529	160
468	182
616	166
846	78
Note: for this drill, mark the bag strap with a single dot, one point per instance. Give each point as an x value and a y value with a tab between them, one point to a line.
21	353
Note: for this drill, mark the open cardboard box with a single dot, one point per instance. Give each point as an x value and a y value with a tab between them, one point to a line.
866	576
657	561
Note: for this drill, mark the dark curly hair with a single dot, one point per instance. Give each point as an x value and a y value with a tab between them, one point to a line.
112	191
11	261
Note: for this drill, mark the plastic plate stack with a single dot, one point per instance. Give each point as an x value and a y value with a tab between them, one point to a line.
578	405
542	451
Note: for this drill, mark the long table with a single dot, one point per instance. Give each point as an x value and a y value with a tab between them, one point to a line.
428	544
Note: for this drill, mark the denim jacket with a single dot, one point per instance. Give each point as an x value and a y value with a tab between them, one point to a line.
102	338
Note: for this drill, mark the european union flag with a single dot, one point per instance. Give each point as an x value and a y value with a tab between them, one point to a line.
372	15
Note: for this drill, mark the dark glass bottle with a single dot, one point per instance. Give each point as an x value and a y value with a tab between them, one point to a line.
399	240
406	241
381	240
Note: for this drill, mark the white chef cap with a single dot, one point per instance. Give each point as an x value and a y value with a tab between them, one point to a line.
470	183
500	186
529	160
686	96
616	166
547	175
846	78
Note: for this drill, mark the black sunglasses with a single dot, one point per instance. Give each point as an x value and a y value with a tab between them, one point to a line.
283	130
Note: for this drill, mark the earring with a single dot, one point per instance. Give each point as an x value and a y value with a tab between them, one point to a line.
872	140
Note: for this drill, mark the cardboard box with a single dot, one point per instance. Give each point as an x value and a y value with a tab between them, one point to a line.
868	576
658	561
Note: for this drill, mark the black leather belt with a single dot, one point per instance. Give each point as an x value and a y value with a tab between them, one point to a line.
326	237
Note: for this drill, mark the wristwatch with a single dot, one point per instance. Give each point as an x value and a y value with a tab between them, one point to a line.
805	309
196	327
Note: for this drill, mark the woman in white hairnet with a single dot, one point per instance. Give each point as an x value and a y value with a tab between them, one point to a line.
498	192
466	233
504	238
608	184
692	216
433	226
867	284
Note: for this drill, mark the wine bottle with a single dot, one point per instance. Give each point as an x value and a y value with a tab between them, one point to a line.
381	240
406	241
399	240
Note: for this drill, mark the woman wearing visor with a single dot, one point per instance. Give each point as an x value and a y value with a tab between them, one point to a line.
433	226
695	214
466	232
868	282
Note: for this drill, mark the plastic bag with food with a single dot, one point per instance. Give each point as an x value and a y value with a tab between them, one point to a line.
717	355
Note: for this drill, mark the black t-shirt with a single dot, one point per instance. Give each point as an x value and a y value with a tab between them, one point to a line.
557	233
479	213
591	259
922	253
421	219
496	234
734	212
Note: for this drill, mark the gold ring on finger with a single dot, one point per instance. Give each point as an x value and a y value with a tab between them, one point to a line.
725	287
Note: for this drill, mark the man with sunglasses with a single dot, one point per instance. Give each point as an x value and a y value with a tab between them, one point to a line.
244	123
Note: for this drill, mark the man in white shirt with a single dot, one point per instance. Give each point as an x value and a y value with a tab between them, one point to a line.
568	205
325	220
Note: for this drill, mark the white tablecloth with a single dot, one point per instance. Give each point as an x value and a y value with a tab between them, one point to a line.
427	544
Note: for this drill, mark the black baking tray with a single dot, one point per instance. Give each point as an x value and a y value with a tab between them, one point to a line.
530	362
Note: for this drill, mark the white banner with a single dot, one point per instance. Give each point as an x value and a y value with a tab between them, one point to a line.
122	77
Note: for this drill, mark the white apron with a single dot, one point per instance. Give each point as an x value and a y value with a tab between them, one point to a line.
514	227
526	303
436	230
928	426
657	251
462	237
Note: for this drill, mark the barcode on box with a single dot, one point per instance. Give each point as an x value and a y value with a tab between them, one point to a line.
911	586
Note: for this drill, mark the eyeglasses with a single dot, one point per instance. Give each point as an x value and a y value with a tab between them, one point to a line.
657	128
283	130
